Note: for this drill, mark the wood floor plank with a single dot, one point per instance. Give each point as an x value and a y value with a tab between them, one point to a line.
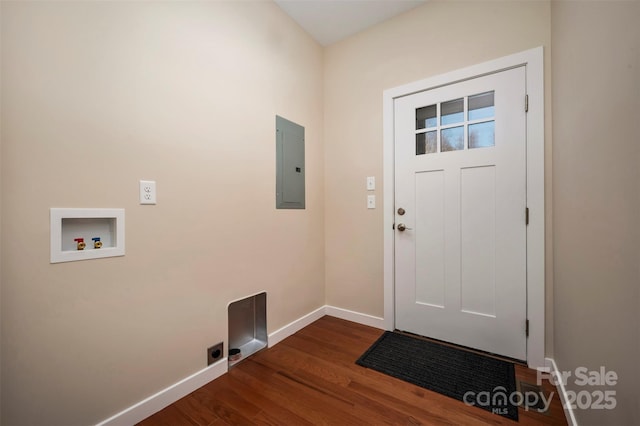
169	416
190	407
221	400
270	409
313	406
311	378
366	406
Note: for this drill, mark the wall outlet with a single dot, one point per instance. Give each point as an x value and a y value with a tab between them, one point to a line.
215	353
147	192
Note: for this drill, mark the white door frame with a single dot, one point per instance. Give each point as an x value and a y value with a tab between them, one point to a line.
533	59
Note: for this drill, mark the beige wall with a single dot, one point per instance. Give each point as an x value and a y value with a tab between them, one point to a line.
433	39
596	155
97	95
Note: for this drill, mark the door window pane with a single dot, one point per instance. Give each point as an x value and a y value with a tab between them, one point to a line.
482	135
426	117
452	112
452	139
426	143
481	106
421	144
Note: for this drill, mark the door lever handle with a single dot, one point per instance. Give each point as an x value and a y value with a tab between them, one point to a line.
402	227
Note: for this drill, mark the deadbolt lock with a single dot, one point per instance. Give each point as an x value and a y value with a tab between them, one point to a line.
401	211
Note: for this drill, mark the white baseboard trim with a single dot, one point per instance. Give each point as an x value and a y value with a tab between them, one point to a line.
562	392
352	316
151	405
295	326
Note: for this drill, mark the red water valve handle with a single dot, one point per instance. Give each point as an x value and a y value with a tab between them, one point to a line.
81	244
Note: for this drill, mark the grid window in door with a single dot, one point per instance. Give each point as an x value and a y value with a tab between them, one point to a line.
456	125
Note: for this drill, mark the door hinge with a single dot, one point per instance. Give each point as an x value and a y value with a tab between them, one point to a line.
526	215
526	103
526	328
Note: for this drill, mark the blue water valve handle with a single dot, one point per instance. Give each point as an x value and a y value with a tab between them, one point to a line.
96	242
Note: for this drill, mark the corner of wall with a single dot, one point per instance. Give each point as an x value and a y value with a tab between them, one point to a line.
1	192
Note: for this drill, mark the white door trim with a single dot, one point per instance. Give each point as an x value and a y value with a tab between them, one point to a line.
533	59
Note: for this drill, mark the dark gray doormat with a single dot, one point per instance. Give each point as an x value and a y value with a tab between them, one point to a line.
475	379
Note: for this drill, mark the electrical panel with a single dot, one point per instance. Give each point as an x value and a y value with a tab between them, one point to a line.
290	170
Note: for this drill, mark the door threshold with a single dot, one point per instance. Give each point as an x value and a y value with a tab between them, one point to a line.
464	348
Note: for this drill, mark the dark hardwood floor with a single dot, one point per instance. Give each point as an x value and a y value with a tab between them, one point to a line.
311	378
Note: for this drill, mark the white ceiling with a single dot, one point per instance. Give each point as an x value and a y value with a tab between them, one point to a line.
329	21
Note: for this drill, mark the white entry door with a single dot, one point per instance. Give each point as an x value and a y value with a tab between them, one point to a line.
460	221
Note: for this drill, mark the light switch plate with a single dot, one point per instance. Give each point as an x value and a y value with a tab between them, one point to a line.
371	201
371	183
147	192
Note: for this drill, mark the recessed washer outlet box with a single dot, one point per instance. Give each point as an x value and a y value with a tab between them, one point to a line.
81	234
215	353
